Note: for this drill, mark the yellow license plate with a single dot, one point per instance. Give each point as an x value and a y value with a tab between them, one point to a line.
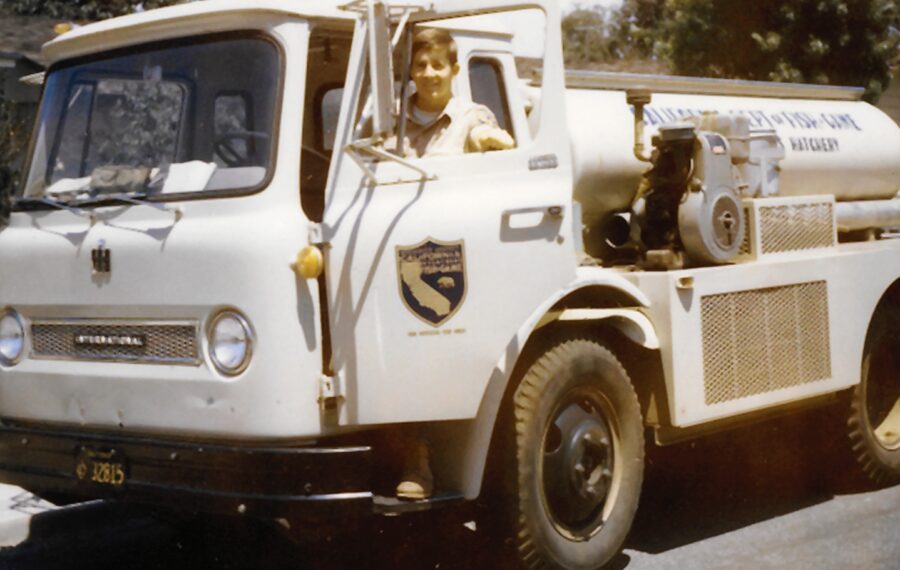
101	467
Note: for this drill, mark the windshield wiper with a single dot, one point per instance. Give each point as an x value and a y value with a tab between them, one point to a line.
54	203
139	199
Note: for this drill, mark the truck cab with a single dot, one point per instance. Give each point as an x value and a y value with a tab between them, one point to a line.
181	160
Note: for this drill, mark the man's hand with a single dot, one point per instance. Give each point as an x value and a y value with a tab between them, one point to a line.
487	137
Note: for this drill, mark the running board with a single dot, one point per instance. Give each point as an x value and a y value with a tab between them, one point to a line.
392	506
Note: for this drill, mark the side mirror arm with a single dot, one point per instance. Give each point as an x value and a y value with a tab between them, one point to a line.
367	146
381	75
404	87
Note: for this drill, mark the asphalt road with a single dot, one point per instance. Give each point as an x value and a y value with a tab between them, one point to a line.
777	495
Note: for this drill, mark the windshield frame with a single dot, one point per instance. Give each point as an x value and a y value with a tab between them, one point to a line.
255	34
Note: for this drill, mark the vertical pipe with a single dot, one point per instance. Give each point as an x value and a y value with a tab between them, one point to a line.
638	98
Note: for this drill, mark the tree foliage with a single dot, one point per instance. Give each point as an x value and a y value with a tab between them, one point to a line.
838	42
599	34
14	133
637	24
586	37
87	10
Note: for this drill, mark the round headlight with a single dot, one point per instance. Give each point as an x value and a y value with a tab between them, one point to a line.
230	342
12	337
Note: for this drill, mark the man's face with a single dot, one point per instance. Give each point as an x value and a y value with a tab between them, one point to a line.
433	75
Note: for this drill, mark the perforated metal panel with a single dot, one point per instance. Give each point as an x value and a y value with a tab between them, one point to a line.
121	341
764	340
796	227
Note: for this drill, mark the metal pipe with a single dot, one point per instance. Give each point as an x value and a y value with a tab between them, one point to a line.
617	230
867	214
638	98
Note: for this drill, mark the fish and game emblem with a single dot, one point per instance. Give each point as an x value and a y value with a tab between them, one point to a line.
432	277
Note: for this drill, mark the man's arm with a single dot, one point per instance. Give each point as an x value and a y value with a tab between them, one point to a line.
486	137
485	134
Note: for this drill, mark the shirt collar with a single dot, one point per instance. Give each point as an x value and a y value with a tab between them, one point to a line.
450	110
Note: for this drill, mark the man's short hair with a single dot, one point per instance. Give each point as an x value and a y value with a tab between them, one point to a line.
429	38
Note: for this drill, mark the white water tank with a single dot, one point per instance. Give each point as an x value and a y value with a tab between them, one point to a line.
834	142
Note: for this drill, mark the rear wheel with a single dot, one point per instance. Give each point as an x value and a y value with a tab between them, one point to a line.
580	453
874	420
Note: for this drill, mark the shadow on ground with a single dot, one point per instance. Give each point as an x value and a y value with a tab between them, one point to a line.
693	491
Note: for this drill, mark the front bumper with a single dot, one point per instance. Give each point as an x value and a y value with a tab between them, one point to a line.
266	482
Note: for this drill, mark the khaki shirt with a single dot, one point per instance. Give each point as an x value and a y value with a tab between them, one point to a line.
450	132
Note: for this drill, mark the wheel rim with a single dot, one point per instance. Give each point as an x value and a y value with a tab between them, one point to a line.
883	397
579	475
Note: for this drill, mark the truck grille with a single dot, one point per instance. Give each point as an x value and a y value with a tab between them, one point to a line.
157	342
764	340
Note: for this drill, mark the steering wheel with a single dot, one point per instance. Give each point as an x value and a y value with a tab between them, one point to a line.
223	145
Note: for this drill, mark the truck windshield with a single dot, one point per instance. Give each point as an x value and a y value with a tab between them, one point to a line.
166	120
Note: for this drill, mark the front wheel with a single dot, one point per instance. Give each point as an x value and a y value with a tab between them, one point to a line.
874	420
580	457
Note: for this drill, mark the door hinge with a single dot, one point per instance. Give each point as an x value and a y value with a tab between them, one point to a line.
315	234
330	396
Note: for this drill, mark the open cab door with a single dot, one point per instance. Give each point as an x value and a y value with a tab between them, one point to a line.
423	252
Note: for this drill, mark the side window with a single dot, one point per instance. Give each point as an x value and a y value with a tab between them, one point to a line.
329	110
329	57
488	89
235	141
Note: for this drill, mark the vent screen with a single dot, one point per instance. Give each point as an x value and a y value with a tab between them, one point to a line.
764	340
796	227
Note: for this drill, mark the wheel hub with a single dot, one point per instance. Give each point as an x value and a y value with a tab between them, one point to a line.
588	455
578	467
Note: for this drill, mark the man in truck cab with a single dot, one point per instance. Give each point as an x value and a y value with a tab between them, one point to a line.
438	124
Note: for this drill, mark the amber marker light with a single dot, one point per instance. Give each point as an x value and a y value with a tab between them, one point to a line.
310	262
62	27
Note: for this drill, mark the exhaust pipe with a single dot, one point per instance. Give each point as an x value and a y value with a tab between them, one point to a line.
617	230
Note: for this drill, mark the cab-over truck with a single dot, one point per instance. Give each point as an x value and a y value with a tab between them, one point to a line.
221	286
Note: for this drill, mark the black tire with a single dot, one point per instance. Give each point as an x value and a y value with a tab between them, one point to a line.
874	420
579	456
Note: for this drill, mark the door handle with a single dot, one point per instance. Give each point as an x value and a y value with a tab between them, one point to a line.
553	211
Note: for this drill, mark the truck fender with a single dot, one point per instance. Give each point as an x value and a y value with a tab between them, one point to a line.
476	439
632	323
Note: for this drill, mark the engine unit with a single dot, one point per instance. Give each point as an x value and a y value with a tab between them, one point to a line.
691	199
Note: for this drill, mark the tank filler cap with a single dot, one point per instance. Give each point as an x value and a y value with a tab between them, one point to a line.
638	97
676	132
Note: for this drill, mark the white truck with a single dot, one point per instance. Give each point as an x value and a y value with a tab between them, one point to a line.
220	287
